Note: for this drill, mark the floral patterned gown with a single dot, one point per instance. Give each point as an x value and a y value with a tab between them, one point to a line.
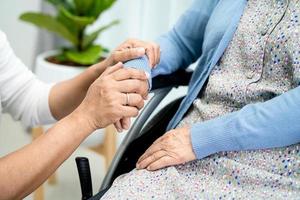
261	62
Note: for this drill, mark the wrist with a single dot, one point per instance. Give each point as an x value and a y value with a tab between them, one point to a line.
79	119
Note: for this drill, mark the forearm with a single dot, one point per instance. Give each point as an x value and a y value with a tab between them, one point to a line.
274	123
67	95
182	45
24	170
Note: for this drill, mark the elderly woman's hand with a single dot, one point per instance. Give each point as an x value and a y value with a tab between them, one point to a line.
173	148
133	48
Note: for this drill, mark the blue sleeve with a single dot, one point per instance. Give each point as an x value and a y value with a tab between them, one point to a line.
182	45
274	123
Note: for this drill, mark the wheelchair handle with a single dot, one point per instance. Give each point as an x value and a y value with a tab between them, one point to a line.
84	172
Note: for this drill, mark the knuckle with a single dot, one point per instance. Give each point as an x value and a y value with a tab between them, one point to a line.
168	136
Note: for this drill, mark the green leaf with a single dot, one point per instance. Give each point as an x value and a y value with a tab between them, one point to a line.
65	3
50	23
100	6
83	6
78	20
68	23
88	57
89	39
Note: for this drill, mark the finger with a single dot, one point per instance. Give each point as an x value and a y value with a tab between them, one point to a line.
133	86
158	55
128	54
125	123
155	52
133	100
136	100
151	54
163	162
129	73
150	159
151	150
114	68
129	43
118	126
129	111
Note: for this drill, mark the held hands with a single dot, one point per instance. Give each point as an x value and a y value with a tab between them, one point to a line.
106	100
133	48
173	148
130	49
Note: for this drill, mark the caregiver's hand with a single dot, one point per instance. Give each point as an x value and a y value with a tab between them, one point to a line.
106	99
152	50
172	148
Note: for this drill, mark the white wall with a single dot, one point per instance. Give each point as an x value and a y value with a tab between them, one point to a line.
142	19
23	37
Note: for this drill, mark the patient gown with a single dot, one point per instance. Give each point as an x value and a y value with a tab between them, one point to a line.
261	62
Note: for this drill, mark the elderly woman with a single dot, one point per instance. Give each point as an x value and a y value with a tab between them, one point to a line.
100	96
236	134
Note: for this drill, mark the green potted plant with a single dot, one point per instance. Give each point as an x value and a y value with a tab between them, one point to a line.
70	22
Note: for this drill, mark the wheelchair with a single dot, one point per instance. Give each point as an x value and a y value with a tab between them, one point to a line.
148	126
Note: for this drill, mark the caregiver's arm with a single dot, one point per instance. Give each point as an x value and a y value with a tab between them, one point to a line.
274	123
182	45
23	171
27	99
67	95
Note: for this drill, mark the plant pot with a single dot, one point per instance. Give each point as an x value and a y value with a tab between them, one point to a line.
50	72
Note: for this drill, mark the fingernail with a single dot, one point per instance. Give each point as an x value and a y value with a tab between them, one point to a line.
148	168
141	50
137	166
